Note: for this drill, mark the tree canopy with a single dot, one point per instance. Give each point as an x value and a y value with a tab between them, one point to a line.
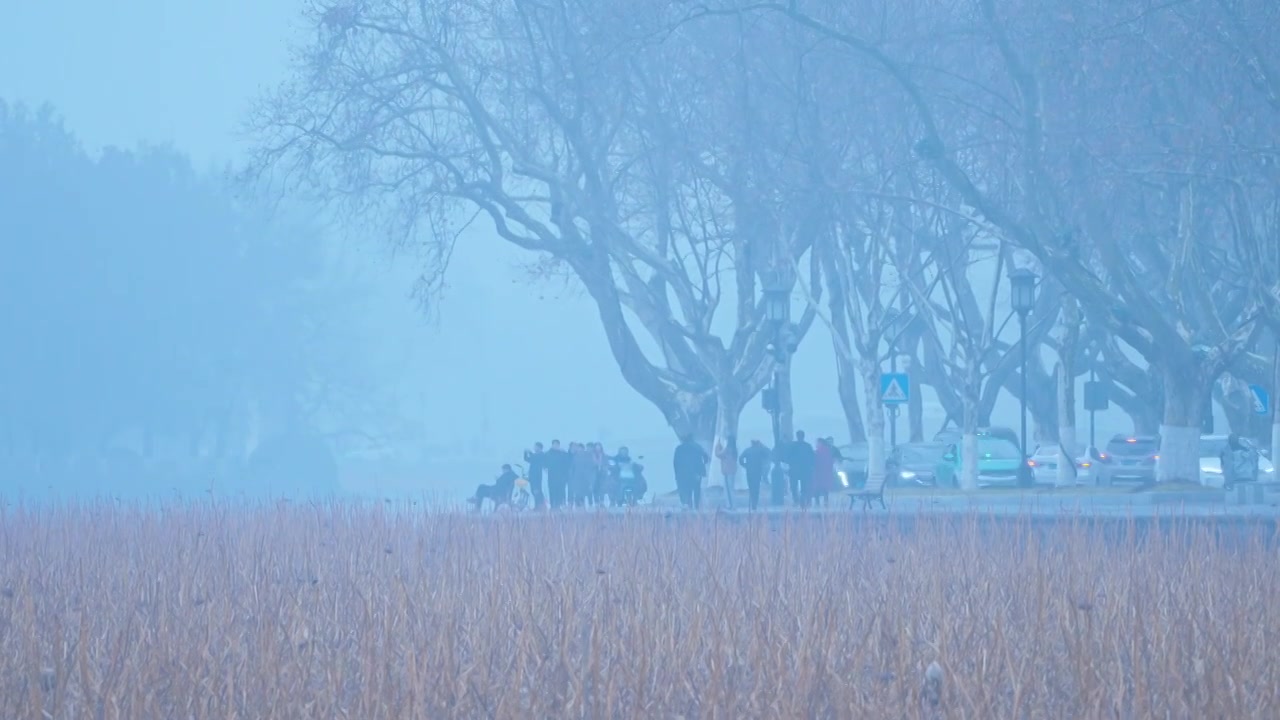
149	313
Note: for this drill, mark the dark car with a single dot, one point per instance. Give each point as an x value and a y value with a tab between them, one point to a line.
1129	458
915	463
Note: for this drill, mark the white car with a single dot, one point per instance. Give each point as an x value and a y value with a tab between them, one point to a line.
1044	464
1211	447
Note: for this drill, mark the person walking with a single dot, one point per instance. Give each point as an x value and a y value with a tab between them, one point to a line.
690	465
537	462
755	461
727	452
800	464
557	463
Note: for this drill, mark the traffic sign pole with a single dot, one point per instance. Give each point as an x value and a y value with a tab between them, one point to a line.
893	409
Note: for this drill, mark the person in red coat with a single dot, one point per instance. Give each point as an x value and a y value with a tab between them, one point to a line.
824	471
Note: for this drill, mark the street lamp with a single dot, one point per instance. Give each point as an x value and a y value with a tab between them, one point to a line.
777	301
1022	296
777	310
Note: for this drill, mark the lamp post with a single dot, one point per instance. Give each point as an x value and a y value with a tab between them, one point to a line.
1022	296
777	310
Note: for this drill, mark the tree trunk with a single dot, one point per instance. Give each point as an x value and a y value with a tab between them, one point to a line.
1042	405
915	404
728	413
1066	426
875	424
970	397
1185	389
786	413
1237	404
1066	373
1275	415
847	386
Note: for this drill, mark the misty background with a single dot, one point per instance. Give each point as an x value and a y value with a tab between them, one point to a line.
427	397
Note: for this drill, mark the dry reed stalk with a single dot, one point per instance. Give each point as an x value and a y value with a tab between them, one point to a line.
340	610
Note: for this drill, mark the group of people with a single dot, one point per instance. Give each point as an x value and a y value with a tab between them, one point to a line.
583	474
809	471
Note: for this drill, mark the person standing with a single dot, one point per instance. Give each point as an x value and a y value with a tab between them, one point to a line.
557	464
800	464
755	461
600	481
727	452
1239	462
824	471
582	475
690	465
537	461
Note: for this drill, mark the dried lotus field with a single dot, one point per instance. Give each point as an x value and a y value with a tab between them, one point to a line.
366	612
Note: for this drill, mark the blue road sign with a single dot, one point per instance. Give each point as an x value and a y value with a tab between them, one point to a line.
1261	400
895	388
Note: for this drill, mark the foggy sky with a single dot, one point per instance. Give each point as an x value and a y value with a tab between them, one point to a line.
522	361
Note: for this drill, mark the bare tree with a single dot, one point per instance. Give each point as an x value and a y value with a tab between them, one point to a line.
1064	96
579	138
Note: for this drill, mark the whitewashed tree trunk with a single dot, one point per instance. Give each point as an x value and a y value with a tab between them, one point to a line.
728	412
1179	454
1066	428
1275	414
1180	432
874	423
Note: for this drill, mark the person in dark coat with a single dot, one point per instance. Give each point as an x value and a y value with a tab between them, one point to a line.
557	463
499	492
800	465
537	461
755	461
690	465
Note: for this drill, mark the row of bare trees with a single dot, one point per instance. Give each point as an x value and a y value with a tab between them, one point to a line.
901	155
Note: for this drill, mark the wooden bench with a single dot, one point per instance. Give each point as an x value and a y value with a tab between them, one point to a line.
872	492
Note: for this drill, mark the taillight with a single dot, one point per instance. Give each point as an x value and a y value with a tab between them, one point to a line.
1031	463
1155	457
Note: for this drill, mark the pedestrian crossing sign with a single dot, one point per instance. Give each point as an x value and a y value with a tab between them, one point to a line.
895	388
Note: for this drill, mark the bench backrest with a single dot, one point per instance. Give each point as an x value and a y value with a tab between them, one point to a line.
874	485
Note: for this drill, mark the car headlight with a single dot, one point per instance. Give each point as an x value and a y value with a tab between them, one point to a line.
907	475
844	478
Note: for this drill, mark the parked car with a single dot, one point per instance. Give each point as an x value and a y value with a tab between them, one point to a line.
1000	463
915	463
1044	465
954	436
1129	459
851	468
1211	447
